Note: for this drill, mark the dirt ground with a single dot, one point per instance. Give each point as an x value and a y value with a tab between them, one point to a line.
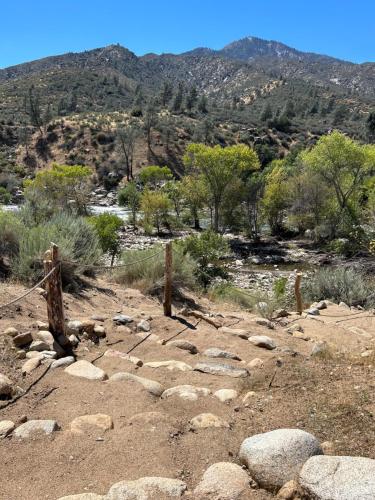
332	396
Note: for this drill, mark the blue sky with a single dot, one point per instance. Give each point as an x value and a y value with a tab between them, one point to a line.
30	29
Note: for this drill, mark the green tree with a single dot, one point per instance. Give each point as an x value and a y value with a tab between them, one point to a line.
130	196
177	103
191	98
370	126
219	167
276	196
166	93
174	192
155	206
194	192
266	113
151	176
202	104
5	196
107	228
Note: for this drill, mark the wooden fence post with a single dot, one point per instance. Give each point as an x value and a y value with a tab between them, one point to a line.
167	304
55	305
297	293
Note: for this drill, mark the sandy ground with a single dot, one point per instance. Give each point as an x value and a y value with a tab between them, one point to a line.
331	396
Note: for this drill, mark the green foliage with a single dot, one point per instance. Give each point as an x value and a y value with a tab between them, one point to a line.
107	228
207	249
279	287
64	187
340	284
130	196
11	230
5	196
276	196
227	292
153	175
155	206
148	275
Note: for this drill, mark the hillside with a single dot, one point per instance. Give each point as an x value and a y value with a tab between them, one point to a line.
265	94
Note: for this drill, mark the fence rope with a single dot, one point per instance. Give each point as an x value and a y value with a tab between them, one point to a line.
2	306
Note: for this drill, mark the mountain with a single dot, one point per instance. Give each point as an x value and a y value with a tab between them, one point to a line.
260	92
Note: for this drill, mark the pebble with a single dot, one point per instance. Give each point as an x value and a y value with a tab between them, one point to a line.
187	392
84	369
206	420
256	363
112	353
143	326
224	395
221	369
236	332
99	331
262	341
30	365
264	322
313	311
62	362
184	345
150	385
32	427
290	491
122	319
214	352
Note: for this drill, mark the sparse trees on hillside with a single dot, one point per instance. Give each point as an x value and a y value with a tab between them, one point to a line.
126	139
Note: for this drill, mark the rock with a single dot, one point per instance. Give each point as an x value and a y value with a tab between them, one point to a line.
99	317
319	348
11	331
276	457
236	332
83	496
30	365
88	326
34	354
49	354
6	427
367	353
294	328
143	326
256	363
184	345
206	420
339	478
152	387
281	313
28	429
41	325
290	491
321	305
22	339
6	386
264	322
328	448
262	341
86	370
62	362
221	369
150	336
214	352
80	425
343	305
170	365
99	331
73	340
313	311
224	395
21	354
112	353
147	488
301	336
248	396
74	327
187	392
122	319
223	481
45	337
38	345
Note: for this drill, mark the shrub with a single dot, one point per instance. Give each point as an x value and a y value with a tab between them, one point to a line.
107	227
148	275
11	229
340	284
5	196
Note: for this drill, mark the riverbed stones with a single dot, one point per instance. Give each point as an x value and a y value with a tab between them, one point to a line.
294	328
224	481
100	421
62	362
84	369
35	427
214	352
321	305
187	392
31	365
185	345
313	311
11	332
147	488
170	365
122	319
99	331
206	420
236	332
276	457
338	478
39	345
225	395
143	326
290	491
6	386
112	353
221	369
74	327
262	341
151	386
256	363
6	427
22	339
264	322
44	336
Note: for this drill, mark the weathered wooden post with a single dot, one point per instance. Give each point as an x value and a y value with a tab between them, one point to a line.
55	306
297	293
168	280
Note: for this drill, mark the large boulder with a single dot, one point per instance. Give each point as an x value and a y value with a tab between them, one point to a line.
339	478
147	488
223	481
276	457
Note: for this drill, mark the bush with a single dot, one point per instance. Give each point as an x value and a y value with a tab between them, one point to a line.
11	229
77	241
107	227
340	284
148	275
5	196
